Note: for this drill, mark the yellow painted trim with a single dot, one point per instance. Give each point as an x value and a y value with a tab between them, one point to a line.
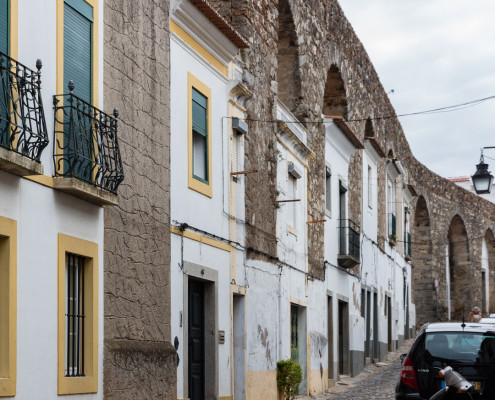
8	306
193	183
60	58
89	250
44	180
198	48
14	26
200	238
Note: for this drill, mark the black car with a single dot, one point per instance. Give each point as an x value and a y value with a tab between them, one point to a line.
469	348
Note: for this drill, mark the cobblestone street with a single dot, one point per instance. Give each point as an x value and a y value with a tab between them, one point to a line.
377	382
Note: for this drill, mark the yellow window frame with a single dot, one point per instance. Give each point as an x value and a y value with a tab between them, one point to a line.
89	250
193	183
8	306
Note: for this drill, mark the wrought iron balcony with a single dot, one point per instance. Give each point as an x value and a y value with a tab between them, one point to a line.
392	228
86	147
408	251
22	118
349	244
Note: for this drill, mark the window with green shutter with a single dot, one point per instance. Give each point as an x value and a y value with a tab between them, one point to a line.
4	76
78	63
4	26
200	136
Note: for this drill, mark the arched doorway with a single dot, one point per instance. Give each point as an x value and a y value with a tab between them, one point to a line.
423	291
459	270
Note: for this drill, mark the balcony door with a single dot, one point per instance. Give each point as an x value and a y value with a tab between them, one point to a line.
342	218
4	76
78	62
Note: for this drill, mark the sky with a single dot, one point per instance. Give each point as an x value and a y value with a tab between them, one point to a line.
432	54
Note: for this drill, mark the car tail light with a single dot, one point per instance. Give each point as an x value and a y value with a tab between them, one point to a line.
407	374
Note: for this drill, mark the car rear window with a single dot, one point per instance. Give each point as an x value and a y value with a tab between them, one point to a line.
460	346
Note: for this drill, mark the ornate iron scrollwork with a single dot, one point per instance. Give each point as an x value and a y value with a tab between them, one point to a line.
22	118
85	144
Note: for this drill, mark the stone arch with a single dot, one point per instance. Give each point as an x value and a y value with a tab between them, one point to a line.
490	254
461	277
369	131
335	96
288	72
423	291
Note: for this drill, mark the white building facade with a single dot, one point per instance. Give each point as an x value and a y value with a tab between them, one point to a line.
53	186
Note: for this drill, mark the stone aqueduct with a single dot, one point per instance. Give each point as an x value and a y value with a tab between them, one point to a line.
305	53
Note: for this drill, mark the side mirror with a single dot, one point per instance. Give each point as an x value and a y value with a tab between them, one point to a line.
402	357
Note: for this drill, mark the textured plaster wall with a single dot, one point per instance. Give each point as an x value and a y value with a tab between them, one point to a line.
139	361
325	38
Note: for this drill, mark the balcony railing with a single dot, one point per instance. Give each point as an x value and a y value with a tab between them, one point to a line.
22	118
86	145
349	244
408	246
392	227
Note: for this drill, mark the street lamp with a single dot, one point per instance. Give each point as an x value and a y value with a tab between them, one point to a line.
482	179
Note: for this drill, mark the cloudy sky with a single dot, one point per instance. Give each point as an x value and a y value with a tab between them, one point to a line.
435	53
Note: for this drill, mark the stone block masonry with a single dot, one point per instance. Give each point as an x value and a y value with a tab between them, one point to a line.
335	76
139	360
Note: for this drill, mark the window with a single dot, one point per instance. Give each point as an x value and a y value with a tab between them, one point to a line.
292	189
74	313
328	190
199	137
77	315
8	306
370	187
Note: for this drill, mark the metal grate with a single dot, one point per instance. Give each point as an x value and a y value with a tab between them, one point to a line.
22	118
74	314
86	145
349	234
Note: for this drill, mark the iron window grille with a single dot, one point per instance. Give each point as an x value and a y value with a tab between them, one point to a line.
349	234
392	226
74	314
86	146
22	117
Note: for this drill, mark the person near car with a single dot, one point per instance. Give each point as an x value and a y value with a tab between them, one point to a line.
475	315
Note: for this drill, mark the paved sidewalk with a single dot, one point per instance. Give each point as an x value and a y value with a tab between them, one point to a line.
377	382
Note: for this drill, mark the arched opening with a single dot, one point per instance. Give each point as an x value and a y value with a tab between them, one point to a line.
488	258
335	98
288	75
423	291
459	270
369	131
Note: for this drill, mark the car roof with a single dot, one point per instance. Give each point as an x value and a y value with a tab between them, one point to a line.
487	320
458	327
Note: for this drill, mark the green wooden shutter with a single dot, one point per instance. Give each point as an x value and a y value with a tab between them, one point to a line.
4	78
78	38
4	26
78	65
199	115
200	135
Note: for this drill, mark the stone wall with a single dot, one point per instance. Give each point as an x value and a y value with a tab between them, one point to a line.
139	361
332	59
